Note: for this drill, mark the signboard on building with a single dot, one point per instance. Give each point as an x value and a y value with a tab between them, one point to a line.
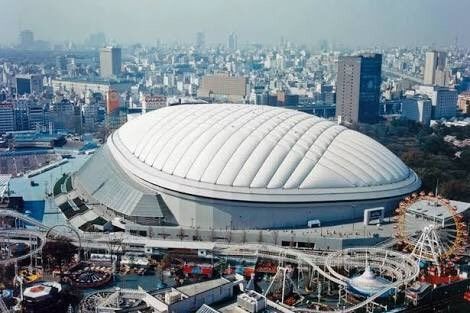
112	101
373	214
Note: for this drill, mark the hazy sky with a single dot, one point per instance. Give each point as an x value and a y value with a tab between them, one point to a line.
350	22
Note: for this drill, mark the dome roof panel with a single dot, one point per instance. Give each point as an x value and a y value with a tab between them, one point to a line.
251	149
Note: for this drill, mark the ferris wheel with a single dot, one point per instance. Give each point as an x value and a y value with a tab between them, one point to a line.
429	227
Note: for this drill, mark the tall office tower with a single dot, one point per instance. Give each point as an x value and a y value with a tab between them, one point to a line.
110	62
435	68
26	39
200	40
7	117
358	88
232	41
27	84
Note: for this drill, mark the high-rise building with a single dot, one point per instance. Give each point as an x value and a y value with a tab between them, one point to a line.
358	88
233	42
62	115
444	100
90	111
417	108
110	62
327	94
7	117
116	114
61	63
37	117
435	68
26	39
200	40
29	83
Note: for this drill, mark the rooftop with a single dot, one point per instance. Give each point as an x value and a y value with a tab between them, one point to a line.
434	211
194	289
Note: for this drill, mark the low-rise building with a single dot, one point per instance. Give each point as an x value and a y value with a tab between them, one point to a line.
417	108
444	100
221	86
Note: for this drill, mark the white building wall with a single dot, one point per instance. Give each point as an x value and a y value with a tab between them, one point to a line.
193	303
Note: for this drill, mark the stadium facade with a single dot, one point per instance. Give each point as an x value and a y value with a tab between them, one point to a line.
219	166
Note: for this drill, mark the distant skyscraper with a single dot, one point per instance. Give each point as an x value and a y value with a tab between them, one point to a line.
26	39
200	40
61	63
96	40
358	88
435	68
233	41
110	62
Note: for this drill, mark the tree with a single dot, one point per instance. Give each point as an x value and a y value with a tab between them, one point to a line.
455	189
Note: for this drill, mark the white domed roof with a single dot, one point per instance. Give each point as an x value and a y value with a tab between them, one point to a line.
368	283
237	151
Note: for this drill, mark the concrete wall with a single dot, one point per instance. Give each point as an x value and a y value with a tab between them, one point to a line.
315	238
191	211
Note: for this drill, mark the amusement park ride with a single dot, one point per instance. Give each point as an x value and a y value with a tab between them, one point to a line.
428	230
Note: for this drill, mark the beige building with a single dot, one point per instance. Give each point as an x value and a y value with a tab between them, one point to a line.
224	87
435	69
81	87
110	62
464	102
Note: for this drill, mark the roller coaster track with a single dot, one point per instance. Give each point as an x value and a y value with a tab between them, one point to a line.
24	236
24	218
261	250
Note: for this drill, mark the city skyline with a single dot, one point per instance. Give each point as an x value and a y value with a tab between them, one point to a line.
340	22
